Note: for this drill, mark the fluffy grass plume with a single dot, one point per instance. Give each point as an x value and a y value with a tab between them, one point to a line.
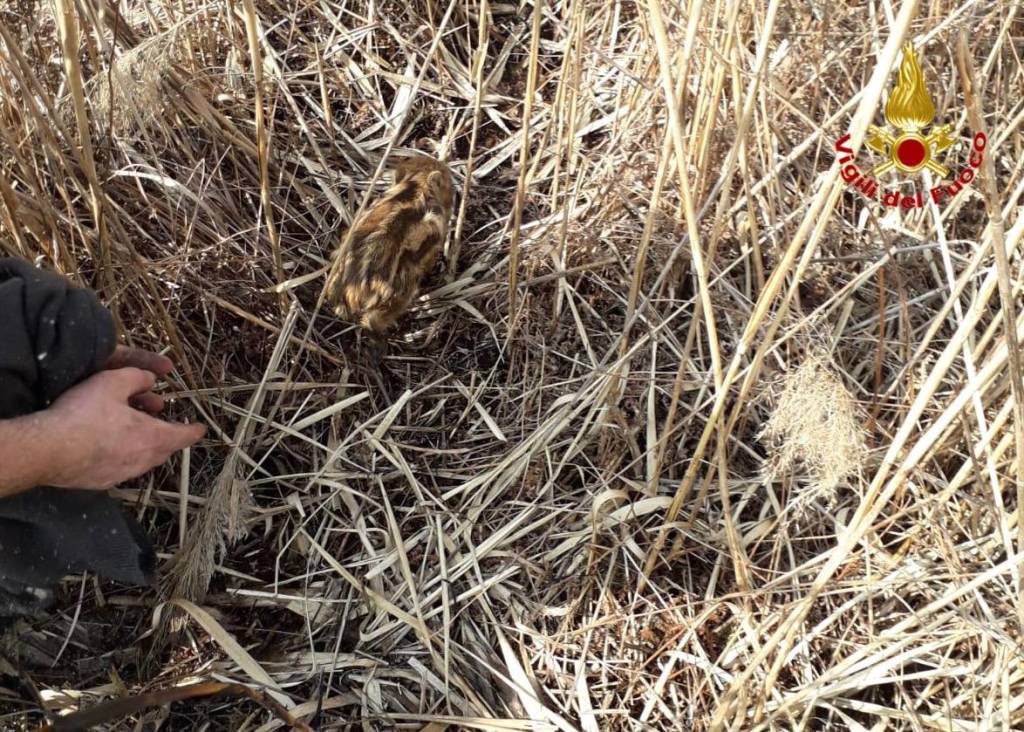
815	426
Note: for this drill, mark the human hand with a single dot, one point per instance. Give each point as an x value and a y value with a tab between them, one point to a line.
105	439
139	358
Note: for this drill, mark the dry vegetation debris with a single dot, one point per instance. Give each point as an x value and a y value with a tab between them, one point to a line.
565	517
815	426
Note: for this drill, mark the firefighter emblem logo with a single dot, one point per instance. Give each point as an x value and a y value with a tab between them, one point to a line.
910	144
910	110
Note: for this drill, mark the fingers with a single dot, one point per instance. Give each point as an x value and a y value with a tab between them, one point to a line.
173	436
110	430
139	358
162	440
177	436
129	381
155	442
169	437
148	402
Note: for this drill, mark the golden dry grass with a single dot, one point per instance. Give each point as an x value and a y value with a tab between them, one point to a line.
814	427
596	499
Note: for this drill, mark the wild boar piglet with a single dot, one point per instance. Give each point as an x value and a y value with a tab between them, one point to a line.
393	245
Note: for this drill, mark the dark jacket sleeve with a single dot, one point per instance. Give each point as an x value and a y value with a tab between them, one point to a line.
52	336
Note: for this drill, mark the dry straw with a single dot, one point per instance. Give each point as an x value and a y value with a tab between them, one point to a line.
815	428
574	514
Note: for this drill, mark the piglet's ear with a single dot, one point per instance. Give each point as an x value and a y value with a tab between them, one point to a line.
402	171
439	186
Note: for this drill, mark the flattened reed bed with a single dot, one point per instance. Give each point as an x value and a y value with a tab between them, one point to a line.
592	503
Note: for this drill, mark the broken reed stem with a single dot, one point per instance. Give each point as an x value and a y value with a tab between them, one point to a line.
67	22
676	128
479	61
524	157
682	157
1006	299
116	710
263	144
664	162
665	158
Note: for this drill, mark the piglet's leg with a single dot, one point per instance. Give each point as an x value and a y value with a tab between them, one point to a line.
376	350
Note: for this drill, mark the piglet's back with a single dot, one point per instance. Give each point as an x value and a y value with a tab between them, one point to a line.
393	245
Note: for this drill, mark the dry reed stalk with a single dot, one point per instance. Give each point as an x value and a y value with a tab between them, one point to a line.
263	140
479	57
67	21
1006	299
524	157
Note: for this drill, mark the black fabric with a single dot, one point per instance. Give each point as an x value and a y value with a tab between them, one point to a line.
52	336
